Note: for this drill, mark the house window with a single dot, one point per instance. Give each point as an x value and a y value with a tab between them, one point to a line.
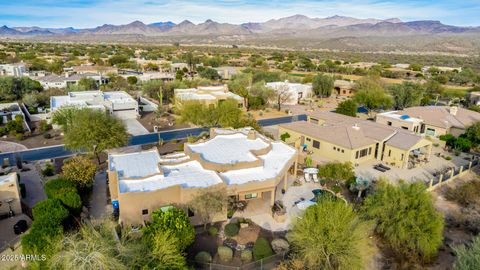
316	144
190	212
405	127
145	212
370	151
402	157
389	152
308	139
430	132
343	151
313	120
251	196
363	152
338	149
356	155
389	123
334	148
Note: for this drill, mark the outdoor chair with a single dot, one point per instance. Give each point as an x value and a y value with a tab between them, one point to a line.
307	177
315	178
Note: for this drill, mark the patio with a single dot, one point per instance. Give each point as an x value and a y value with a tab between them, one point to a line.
424	172
259	210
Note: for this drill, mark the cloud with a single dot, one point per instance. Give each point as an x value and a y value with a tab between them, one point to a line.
91	13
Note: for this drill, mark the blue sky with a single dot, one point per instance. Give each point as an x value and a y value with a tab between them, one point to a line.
91	13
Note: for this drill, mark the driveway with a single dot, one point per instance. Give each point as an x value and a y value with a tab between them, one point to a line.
8	237
33	185
134	127
99	207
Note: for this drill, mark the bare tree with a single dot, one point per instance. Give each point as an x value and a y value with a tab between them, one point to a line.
283	94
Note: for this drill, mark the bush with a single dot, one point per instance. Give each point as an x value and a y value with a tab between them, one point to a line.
213	231
262	249
49	170
465	194
225	253
231	229
41	237
246	256
19	136
80	170
56	186
50	210
44	126
280	245
203	257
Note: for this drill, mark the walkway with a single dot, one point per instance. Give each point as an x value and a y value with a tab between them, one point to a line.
33	185
11	146
98	200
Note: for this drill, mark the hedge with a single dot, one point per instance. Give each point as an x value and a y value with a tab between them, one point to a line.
231	229
262	249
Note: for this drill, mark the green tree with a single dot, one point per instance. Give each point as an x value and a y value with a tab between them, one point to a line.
174	222
209	73
66	192
468	257
64	116
87	84
473	133
132	80
336	171
347	107
209	203
322	85
406	218
330	235
407	94
94	131
370	93
80	170
12	88
240	84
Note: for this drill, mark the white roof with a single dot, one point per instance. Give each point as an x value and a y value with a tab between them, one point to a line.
91	99
402	117
4	179
296	87
188	175
273	163
228	149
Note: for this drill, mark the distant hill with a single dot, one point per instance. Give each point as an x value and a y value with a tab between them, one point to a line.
333	32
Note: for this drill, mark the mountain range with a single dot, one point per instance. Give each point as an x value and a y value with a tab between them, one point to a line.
295	31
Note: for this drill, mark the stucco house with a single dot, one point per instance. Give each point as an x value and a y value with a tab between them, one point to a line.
249	165
296	92
329	136
208	95
432	121
57	81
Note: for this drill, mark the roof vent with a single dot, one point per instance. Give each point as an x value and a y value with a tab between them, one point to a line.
453	110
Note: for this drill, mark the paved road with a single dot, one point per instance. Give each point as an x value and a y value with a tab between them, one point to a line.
58	151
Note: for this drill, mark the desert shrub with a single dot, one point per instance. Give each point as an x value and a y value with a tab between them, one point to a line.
465	194
262	249
246	256
225	253
203	257
280	245
49	170
231	229
44	126
213	231
19	136
468	257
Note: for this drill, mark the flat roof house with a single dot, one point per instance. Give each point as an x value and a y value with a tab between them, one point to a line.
117	103
432	121
296	91
10	195
249	165
208	95
343	88
8	111
15	70
56	81
330	136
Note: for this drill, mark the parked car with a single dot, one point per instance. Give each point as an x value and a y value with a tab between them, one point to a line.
20	227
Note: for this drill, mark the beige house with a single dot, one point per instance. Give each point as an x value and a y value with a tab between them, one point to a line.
208	95
432	121
330	136
10	195
343	88
249	165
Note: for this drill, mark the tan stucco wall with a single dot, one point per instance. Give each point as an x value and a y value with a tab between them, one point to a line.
438	130
398	123
326	150
10	190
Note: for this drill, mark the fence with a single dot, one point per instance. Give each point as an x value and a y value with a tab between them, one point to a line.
450	175
262	264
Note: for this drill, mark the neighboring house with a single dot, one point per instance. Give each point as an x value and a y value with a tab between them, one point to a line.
474	98
56	81
92	69
343	88
249	165
330	136
163	76
208	95
295	92
116	103
15	70
425	69
10	203
432	121
8	111
227	73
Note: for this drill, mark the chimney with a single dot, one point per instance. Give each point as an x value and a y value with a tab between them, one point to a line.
252	135
453	110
